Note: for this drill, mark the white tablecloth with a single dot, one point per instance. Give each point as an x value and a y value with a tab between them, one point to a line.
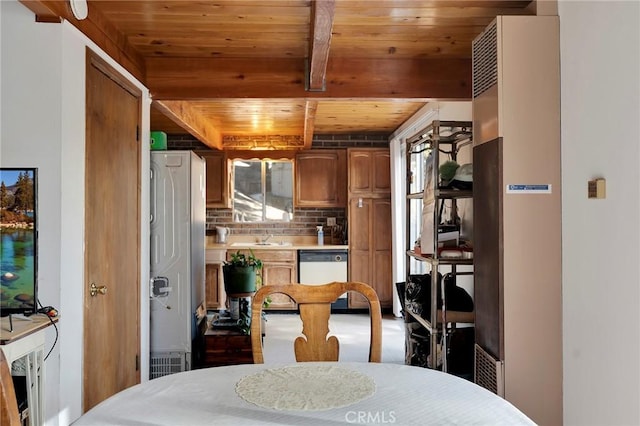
404	395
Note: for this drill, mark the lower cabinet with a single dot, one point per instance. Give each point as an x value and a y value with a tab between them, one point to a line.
370	248
215	297
278	267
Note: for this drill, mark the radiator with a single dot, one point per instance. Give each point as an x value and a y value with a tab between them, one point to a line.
488	371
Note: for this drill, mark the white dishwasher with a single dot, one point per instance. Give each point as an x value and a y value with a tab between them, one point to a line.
322	267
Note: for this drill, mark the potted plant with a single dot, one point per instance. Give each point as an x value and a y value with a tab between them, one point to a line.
240	273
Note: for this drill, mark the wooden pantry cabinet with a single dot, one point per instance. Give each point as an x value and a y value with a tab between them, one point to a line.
369	214
369	172
320	177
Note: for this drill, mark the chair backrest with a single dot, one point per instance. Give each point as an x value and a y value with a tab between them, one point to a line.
9	414
314	303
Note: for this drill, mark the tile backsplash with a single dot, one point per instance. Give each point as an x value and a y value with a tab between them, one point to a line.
304	223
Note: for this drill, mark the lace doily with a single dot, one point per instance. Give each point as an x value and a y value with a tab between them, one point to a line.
305	387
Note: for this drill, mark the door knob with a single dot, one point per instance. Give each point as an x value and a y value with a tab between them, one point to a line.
94	289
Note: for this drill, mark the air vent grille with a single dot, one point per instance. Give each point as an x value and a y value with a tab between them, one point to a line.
489	372
165	363
485	60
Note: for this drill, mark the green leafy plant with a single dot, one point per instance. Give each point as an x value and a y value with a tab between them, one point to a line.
241	259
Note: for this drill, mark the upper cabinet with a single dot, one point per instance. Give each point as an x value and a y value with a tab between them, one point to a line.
321	178
369	171
218	183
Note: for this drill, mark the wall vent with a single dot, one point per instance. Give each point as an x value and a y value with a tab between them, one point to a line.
488	372
165	363
485	60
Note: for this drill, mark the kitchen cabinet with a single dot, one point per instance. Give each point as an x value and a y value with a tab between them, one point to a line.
215	297
370	248
278	267
218	181
369	171
369	218
321	178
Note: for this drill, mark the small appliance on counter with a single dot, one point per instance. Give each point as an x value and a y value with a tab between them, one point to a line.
222	232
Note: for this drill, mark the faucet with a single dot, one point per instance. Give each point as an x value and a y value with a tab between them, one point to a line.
265	239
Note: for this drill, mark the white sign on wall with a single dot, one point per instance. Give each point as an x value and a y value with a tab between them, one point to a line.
528	188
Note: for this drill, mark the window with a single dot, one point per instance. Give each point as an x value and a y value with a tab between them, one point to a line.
263	190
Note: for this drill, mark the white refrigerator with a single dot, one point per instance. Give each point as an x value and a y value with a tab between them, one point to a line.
177	287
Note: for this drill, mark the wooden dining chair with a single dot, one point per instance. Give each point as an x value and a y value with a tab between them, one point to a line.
9	414
314	303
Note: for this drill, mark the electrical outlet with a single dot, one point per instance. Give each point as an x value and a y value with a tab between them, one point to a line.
331	221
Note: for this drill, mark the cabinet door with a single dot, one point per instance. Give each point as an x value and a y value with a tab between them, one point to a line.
381	251
370	248
321	178
214	292
217	178
279	273
369	171
381	177
359	247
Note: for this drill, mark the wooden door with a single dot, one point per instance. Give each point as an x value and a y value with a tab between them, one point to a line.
218	191
360	231
112	234
213	274
321	178
381	178
370	248
280	273
381	251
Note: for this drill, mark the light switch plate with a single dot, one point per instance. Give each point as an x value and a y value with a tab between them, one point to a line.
331	221
597	188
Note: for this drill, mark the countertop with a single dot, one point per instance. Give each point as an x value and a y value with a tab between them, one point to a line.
288	246
240	242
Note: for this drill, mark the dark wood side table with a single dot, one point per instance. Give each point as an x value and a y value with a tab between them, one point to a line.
226	346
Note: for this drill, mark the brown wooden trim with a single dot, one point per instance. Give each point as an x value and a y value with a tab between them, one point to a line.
96	61
43	12
311	107
261	155
208	78
183	114
96	27
322	13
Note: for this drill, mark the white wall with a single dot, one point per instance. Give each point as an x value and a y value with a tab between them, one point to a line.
43	110
600	56
31	92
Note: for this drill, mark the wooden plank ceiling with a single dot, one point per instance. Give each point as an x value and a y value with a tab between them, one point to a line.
269	74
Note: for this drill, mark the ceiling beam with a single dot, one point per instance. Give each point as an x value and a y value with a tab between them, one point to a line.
101	31
192	121
322	13
310	109
210	78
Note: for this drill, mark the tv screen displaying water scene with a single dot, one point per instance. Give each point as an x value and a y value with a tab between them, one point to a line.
18	240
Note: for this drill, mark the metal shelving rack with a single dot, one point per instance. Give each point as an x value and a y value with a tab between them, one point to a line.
436	136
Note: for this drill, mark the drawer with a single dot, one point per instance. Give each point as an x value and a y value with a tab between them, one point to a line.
271	255
214	256
227	342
